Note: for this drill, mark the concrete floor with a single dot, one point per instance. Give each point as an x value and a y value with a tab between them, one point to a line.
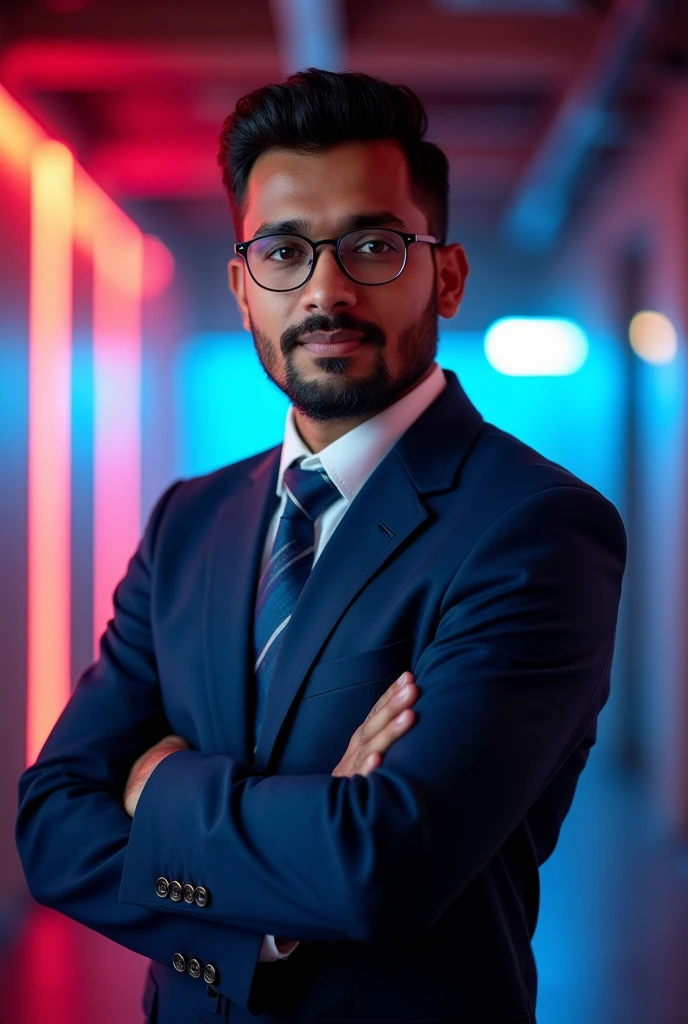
611	942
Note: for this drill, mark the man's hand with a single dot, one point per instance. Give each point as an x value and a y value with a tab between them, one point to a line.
143	768
389	719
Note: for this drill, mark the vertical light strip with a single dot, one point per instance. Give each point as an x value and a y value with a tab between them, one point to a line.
117	291
49	470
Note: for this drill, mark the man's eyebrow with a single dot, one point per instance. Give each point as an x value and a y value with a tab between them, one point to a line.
350	223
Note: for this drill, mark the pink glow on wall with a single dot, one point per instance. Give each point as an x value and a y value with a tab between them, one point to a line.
117	294
49	471
158	267
69	211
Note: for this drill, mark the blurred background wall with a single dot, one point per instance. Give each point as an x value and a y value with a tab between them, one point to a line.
123	365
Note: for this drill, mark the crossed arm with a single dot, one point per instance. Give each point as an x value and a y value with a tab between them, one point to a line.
515	674
388	720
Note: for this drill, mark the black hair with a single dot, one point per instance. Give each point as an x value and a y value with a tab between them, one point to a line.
314	110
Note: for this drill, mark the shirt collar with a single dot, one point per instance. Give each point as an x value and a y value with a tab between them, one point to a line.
351	459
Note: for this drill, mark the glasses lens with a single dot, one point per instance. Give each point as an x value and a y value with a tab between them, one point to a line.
374	256
280	262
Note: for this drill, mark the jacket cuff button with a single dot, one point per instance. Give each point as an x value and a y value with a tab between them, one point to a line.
162	887
175	891
194	967
188	893
201	896
210	974
179	962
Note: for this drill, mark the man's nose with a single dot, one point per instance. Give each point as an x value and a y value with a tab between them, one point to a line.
328	288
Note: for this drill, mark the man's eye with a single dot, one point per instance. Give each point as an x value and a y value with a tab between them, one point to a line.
373	246
283	254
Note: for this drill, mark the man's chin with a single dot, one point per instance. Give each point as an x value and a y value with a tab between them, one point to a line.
334	366
338	397
331	374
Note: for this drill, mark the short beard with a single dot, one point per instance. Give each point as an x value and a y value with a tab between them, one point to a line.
363	397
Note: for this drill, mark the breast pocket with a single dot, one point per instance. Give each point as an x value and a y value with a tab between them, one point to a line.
337	699
356	670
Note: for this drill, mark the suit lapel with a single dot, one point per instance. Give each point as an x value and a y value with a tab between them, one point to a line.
358	548
235	553
387	512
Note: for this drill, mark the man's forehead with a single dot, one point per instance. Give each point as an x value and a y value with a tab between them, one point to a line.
339	224
332	187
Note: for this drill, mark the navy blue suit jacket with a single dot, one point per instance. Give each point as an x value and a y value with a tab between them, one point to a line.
496	579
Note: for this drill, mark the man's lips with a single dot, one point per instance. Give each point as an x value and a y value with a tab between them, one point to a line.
333	343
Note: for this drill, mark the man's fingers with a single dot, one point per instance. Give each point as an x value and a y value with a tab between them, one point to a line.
391	704
400	683
370	753
386	722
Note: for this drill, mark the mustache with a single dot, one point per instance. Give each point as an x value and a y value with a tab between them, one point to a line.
341	322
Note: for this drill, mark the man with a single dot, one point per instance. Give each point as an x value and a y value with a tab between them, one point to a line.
243	706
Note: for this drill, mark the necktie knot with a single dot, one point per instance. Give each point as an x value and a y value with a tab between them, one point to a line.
310	491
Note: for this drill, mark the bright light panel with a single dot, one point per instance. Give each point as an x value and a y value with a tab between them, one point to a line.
535	347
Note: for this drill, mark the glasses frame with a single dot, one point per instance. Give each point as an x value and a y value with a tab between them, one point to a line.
241	249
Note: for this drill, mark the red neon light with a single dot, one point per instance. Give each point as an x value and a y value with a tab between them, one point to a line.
50	342
19	135
69	210
117	291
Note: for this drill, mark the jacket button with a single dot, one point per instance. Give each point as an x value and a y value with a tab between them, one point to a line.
175	891
188	893
179	962
201	896
162	887
194	967
209	974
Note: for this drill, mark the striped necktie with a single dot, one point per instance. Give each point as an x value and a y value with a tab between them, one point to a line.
309	493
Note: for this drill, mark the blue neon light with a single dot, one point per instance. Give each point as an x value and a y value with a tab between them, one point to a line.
226	407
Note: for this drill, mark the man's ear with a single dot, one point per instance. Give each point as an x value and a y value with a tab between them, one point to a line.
452	271
236	274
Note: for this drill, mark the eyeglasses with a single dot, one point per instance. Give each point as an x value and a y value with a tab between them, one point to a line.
281	263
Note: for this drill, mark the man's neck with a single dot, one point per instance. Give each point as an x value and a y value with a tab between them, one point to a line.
317	435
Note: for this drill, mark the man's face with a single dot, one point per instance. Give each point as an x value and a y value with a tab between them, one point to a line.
393	327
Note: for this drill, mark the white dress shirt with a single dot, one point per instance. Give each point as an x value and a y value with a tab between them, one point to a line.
348	462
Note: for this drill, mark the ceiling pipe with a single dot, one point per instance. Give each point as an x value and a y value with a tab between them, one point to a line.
543	197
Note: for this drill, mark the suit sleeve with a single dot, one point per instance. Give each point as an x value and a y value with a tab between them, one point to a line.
72	830
512	681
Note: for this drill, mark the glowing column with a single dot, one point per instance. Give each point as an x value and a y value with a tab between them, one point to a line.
49	470
117	290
